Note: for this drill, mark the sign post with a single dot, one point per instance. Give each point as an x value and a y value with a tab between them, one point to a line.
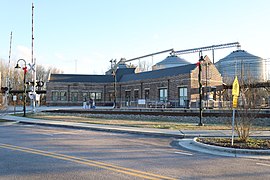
14	98
235	93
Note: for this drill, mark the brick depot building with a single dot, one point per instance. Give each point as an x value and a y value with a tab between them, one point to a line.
167	87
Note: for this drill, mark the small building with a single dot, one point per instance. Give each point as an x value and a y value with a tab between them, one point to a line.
167	87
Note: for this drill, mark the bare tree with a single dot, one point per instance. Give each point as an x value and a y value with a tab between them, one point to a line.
13	78
250	101
144	66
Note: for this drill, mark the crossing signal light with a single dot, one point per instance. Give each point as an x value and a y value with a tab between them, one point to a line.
29	83
38	83
4	89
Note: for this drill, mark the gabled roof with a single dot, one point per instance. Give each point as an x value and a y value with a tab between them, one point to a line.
124	71
124	75
81	78
155	74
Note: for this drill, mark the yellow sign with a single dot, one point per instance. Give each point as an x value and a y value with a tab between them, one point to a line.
235	99
235	87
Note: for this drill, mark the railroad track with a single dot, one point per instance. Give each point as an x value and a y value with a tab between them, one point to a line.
159	112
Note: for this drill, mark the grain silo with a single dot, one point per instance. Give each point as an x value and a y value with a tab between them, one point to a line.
243	65
170	61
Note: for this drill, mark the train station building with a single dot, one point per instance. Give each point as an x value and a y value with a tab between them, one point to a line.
173	82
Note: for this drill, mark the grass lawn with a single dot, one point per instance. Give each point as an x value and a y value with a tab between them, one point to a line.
142	123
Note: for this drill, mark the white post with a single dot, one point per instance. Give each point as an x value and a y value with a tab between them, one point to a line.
33	64
34	77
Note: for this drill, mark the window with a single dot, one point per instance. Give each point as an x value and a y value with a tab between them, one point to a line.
127	95
63	95
147	94
183	97
55	96
136	95
163	95
96	96
85	96
74	96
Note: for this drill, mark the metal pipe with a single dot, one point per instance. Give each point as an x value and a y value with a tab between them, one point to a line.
207	48
160	52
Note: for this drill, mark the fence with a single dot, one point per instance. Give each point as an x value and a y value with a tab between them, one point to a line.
186	104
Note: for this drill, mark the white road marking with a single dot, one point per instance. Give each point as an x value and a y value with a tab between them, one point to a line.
54	132
7	123
178	152
29	125
262	164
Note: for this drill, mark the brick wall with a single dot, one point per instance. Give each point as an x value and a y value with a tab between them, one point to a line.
189	80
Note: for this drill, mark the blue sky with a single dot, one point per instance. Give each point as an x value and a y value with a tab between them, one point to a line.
82	36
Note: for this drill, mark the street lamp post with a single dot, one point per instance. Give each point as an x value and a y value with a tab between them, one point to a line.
24	84
114	75
200	87
113	68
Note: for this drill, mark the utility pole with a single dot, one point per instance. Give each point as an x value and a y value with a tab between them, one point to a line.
8	75
33	68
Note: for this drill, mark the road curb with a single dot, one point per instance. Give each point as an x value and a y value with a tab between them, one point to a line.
229	150
109	129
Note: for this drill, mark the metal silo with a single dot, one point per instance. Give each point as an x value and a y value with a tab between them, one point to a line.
243	64
170	61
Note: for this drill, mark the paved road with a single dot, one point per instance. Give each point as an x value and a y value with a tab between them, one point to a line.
38	152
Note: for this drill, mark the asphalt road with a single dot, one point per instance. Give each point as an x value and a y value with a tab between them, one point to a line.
38	152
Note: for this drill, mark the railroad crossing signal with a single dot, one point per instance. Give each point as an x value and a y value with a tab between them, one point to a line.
32	67
38	83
